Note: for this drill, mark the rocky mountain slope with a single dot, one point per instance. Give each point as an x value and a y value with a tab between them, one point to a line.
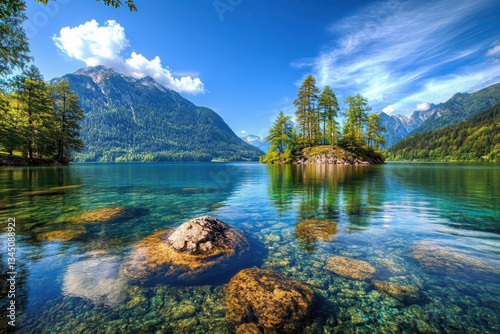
128	119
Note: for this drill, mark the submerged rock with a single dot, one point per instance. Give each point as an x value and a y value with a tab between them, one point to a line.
60	235
200	236
316	230
438	259
267	299
350	268
191	248
51	191
105	215
398	291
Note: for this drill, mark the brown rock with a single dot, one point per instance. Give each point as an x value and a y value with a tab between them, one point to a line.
60	235
316	230
200	236
268	299
398	291
191	248
248	328
438	259
98	215
350	268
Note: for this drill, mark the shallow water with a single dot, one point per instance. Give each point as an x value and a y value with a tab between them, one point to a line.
382	214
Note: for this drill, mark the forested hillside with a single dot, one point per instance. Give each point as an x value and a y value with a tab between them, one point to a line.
129	119
477	139
460	107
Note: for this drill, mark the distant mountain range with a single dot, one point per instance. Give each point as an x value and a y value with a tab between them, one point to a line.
257	142
460	107
128	119
399	126
476	139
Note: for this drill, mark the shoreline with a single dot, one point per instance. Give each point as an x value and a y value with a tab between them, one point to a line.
26	162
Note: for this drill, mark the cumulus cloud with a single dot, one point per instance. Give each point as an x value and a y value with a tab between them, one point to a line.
388	109
393	51
423	106
243	132
104	45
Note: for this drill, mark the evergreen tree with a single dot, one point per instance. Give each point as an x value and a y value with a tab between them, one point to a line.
329	107
280	133
357	119
67	116
306	104
35	107
374	132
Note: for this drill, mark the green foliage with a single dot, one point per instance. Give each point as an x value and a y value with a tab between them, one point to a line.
477	139
14	48
317	125
114	3
40	119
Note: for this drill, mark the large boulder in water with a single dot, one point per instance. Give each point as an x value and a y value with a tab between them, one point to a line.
187	250
267	300
437	258
201	236
350	268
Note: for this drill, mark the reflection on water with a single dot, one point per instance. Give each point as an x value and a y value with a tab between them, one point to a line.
429	234
95	279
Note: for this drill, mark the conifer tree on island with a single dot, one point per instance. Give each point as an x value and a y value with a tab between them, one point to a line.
318	130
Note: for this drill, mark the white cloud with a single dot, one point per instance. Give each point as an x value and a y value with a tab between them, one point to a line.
243	132
495	50
388	109
104	45
389	50
423	106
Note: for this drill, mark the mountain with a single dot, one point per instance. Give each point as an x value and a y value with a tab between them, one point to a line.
128	119
476	139
257	142
399	126
460	107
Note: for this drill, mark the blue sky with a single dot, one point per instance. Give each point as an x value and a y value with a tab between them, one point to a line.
245	59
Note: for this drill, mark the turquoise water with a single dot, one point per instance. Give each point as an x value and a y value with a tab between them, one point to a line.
378	214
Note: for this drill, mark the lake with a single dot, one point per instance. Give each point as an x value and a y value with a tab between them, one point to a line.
433	228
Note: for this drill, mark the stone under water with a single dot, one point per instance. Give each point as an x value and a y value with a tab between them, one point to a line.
350	268
191	248
398	291
452	260
267	300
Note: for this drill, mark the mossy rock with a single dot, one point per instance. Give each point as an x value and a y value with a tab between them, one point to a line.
166	254
267	300
316	230
350	268
108	214
60	235
437	258
398	291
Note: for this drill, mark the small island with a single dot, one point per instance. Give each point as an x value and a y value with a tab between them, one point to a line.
316	138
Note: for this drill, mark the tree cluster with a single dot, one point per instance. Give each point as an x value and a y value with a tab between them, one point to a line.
316	124
38	119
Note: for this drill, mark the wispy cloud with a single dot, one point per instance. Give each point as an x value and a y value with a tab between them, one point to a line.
104	45
404	53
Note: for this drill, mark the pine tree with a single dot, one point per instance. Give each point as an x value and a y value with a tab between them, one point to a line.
329	107
306	104
374	132
68	114
35	107
280	133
